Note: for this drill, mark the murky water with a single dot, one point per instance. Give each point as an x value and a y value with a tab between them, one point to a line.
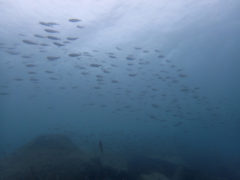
129	89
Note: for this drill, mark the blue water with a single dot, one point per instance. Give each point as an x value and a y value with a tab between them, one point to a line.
148	79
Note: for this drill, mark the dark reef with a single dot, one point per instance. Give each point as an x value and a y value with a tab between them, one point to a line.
56	157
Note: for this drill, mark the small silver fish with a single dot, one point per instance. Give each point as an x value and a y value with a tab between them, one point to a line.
100	145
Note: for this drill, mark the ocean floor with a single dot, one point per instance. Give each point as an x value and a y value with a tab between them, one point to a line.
56	157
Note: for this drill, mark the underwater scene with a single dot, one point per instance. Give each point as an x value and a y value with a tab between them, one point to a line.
119	90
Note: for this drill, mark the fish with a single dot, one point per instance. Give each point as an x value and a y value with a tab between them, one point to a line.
99	80
72	38
49	24
161	56
32	72
18	79
52	58
49	72
87	54
29	42
74	87
79	67
114	81
74	54
155	105
21	34
34	79
112	56
100	146
185	89
74	20
95	65
153	117
130	57
3	86
182	75
53	78
84	73
58	44
137	48
118	48
26	56
43	44
97	87
30	65
177	124
62	87
51	31
99	76
38	36
132	75
53	38
80	27
13	52
105	71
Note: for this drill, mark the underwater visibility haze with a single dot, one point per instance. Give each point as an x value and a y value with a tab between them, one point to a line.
120	89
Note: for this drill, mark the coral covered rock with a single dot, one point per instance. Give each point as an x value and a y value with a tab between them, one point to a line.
53	157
